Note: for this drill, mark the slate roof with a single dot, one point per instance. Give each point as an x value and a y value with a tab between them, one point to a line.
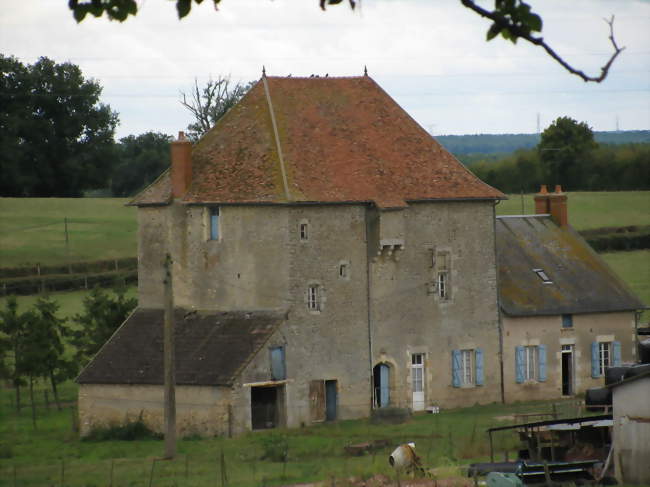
581	281
211	348
343	140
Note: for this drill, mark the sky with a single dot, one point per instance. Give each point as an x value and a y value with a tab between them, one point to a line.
429	55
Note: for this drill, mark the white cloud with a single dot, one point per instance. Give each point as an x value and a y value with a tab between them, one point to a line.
431	56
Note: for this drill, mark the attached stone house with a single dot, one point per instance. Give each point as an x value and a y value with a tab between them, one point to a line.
329	257
566	316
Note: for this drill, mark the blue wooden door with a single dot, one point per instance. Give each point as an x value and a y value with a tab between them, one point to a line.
330	400
384	381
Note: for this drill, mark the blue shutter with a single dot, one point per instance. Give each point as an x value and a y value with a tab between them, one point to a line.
214	224
595	362
616	353
480	379
277	364
455	368
541	356
519	364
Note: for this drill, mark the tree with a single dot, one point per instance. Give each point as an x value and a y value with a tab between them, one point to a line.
512	19
140	159
57	138
102	315
565	147
13	326
210	103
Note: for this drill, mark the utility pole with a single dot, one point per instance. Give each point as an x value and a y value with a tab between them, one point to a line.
170	365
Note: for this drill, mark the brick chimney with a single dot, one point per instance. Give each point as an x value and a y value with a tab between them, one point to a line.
181	169
554	204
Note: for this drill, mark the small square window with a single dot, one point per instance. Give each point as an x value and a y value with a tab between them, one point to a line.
343	271
567	321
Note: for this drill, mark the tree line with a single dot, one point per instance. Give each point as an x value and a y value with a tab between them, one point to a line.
569	155
33	342
58	138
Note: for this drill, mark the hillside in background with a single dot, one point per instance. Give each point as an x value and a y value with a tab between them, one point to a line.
460	145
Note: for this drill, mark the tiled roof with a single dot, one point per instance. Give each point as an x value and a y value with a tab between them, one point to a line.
343	140
211	348
581	281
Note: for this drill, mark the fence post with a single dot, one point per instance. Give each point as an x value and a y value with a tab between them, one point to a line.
62	472
112	466
187	465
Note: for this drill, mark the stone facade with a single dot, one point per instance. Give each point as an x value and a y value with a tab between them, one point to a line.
577	339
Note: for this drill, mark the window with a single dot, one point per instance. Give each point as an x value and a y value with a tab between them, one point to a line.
343	271
417	369
313	297
604	354
278	369
567	321
542	275
467	367
214	223
443	291
530	363
304	231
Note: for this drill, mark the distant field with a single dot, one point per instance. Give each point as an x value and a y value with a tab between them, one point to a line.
591	209
634	268
32	230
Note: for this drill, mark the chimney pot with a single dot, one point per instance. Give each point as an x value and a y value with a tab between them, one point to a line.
543	190
181	135
558	188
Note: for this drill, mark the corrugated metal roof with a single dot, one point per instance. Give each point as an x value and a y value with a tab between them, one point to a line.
342	139
211	348
581	282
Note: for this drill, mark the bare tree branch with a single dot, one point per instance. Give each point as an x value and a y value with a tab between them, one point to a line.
517	31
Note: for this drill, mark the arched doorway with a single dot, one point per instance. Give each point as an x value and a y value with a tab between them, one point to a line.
381	384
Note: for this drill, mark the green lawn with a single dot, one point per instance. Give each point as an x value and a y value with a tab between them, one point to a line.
446	441
32	230
634	268
591	210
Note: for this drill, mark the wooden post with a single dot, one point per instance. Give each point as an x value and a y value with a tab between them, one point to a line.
491	448
112	467
170	366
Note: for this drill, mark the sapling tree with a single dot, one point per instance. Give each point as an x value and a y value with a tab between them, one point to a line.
12	338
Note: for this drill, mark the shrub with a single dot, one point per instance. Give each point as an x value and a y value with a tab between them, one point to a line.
275	447
131	431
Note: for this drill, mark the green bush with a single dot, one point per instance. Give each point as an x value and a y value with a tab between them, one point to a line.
131	431
275	447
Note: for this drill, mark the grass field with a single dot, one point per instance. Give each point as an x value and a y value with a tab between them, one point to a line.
634	268
33	230
591	210
445	441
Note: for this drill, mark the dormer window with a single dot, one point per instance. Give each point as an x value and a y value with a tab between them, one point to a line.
542	275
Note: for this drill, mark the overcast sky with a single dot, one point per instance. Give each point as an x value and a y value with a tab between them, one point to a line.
429	55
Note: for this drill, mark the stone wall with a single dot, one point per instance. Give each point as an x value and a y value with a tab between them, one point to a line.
548	331
200	410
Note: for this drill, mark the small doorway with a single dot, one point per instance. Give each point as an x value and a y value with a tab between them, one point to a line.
266	409
417	381
381	383
331	399
567	370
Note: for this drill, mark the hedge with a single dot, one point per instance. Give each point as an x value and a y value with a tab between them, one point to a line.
95	266
66	282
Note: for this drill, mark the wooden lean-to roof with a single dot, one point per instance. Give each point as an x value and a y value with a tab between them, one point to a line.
212	348
335	140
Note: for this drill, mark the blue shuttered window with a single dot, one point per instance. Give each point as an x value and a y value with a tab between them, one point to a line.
455	368
214	223
541	355
595	361
278	371
616	354
520	363
480	378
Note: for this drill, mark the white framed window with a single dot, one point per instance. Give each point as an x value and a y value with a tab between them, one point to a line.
313	297
443	282
304	231
604	356
443	266
467	367
531	362
417	372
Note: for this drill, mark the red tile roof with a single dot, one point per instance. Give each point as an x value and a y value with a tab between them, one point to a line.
343	140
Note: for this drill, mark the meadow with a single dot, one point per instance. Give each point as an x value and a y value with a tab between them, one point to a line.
33	230
52	454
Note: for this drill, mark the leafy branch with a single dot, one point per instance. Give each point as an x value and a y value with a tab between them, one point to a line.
514	20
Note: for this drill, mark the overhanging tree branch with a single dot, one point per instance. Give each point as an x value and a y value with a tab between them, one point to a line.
518	30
